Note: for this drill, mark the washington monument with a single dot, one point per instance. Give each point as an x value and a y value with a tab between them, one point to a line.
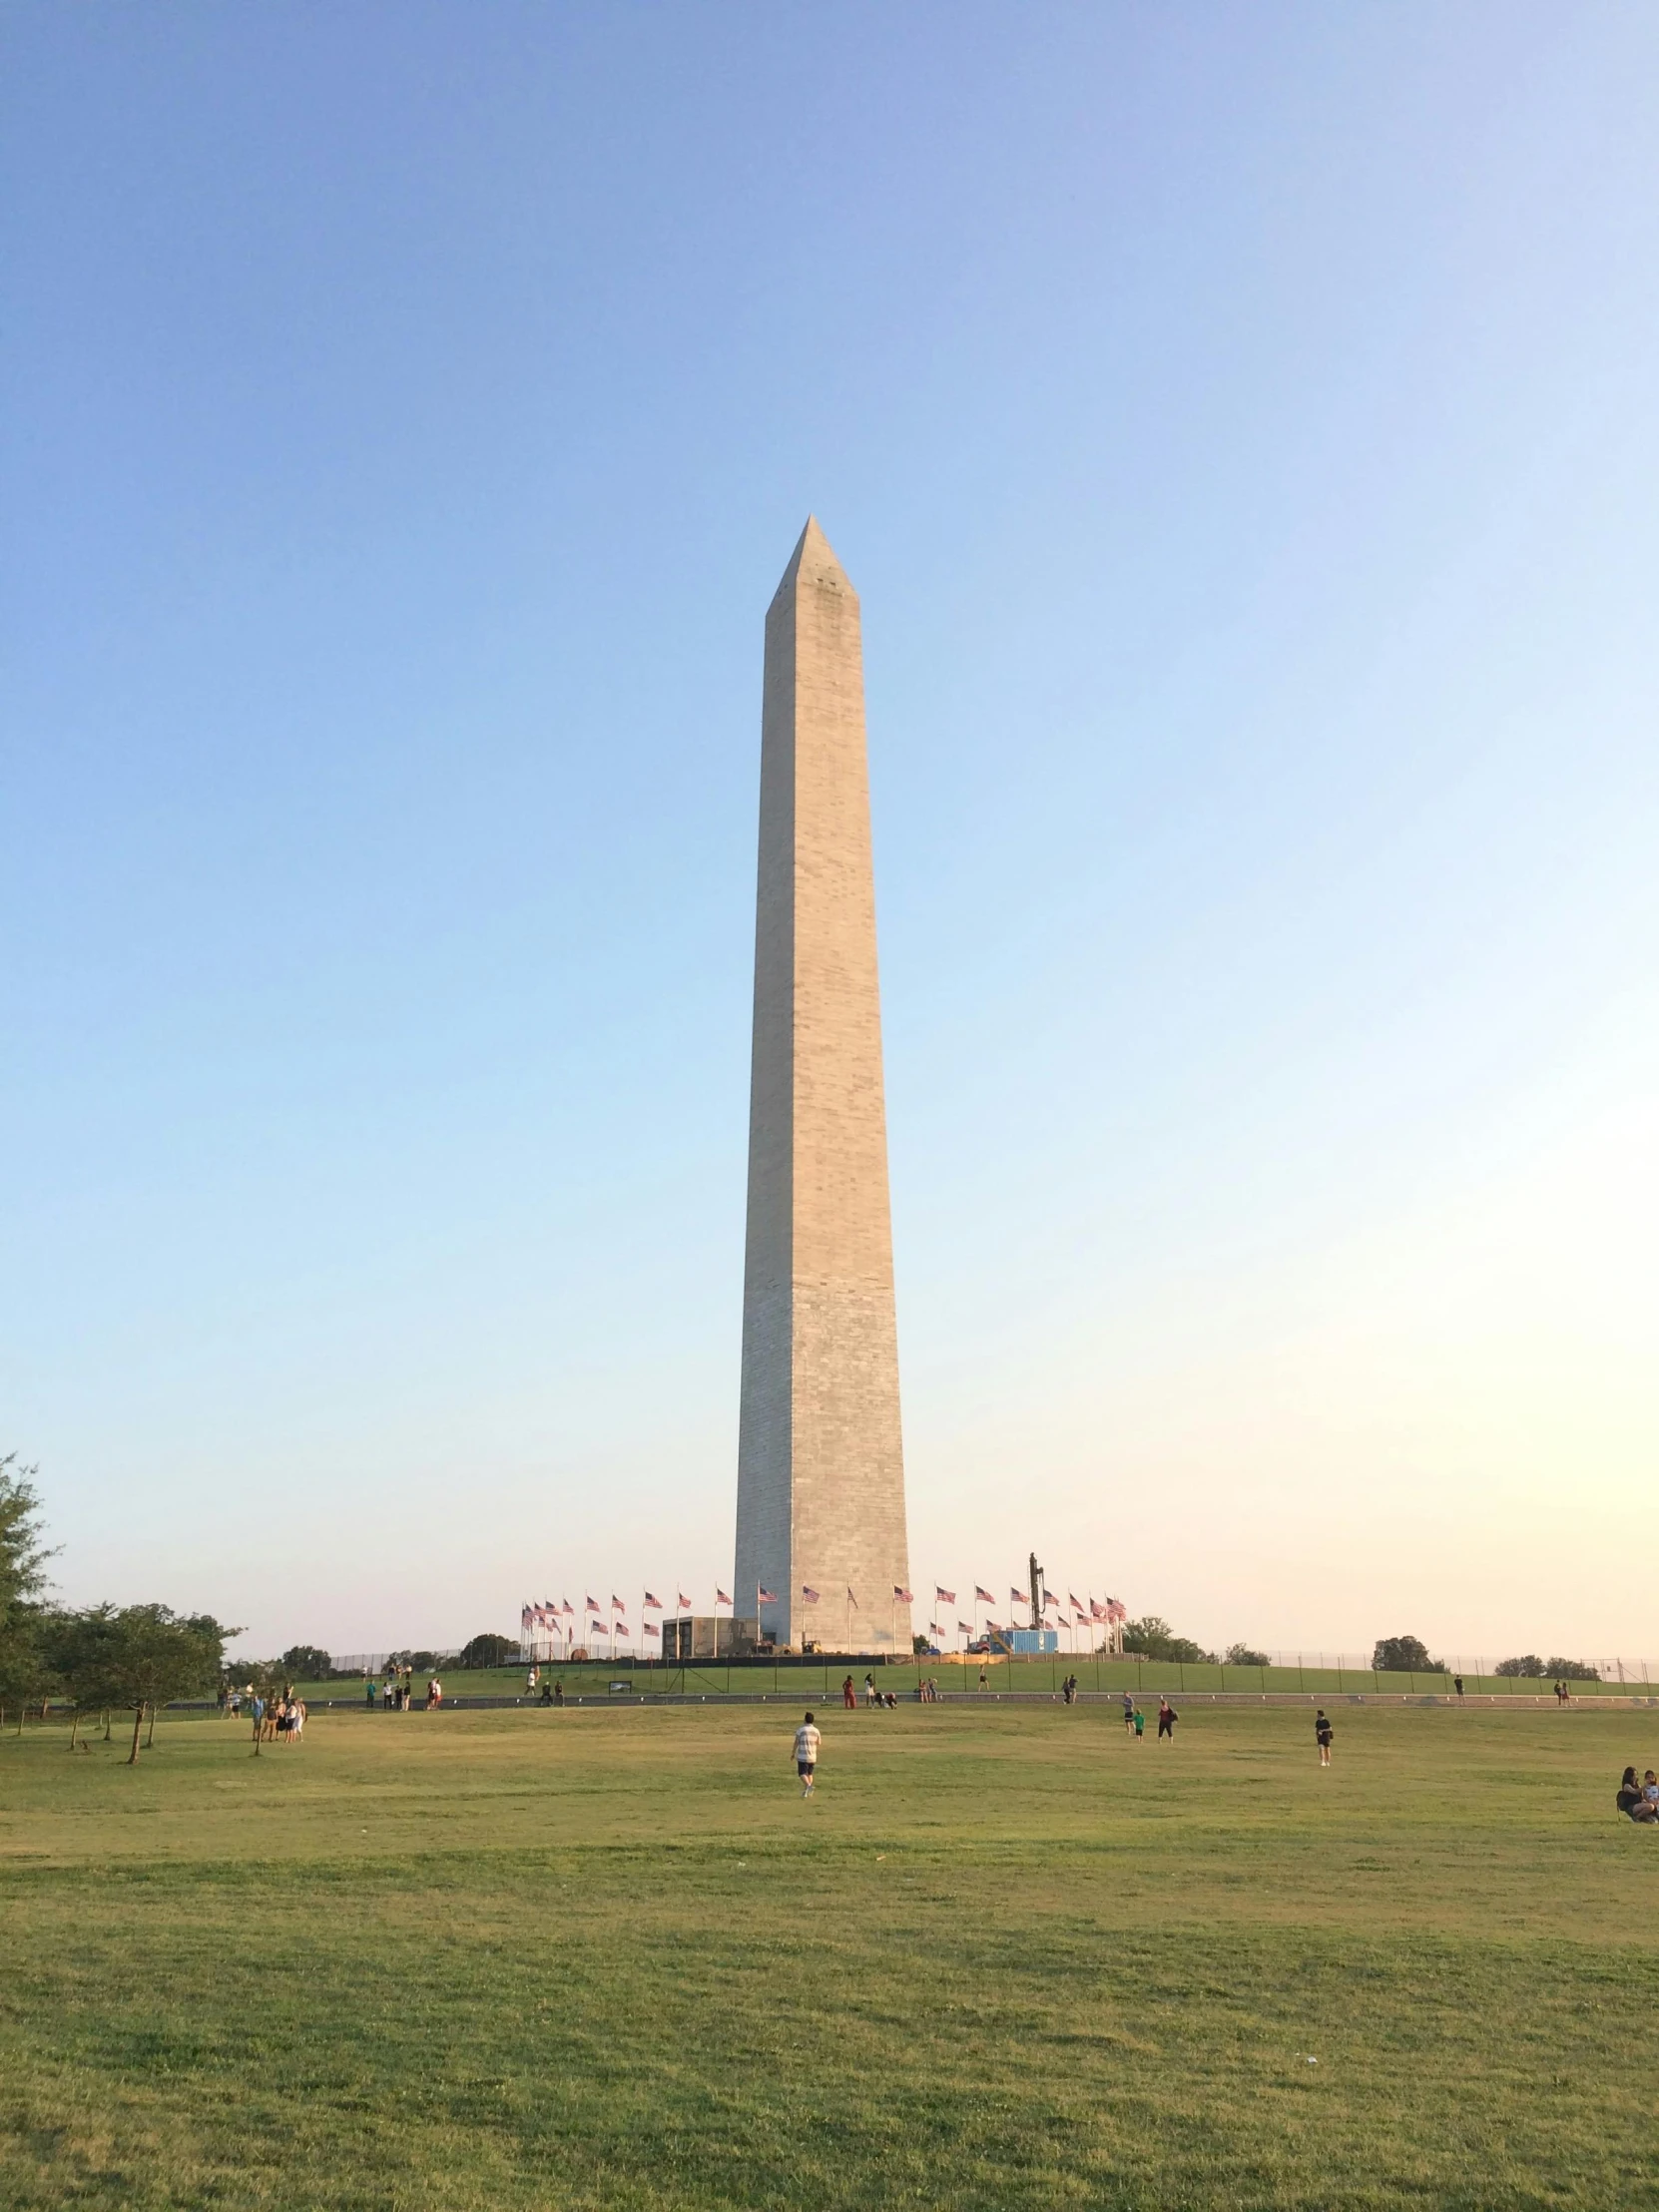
820	1465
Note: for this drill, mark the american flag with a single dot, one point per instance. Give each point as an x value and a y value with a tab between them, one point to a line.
617	1605
567	1608
598	1627
942	1596
593	1606
1076	1602
809	1595
963	1629
651	1629
851	1601
903	1597
1097	1611
983	1597
685	1602
1116	1610
1016	1597
721	1597
652	1602
767	1597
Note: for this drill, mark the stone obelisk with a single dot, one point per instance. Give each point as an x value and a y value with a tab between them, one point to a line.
821	1467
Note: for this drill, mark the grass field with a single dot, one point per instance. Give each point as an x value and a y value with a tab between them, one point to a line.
1008	1959
1025	1677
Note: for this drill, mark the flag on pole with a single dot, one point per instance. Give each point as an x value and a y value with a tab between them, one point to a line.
1017	1597
593	1606
942	1596
1076	1602
851	1601
567	1608
617	1605
901	1597
652	1602
983	1597
809	1595
651	1629
721	1597
685	1603
1116	1610
963	1628
767	1597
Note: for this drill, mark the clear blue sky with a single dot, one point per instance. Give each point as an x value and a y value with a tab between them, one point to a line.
1241	429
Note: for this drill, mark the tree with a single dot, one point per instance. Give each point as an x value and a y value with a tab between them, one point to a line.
305	1663
1572	1670
1153	1638
137	1657
1240	1655
23	1668
1529	1668
1404	1655
489	1651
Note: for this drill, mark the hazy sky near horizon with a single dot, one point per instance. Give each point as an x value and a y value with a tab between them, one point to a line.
1241	429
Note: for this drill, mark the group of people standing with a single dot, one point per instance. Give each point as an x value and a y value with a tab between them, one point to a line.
397	1693
277	1720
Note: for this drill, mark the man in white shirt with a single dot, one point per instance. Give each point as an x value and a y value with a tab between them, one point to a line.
807	1741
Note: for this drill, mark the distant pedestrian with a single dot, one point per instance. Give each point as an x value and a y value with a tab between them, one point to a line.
807	1741
369	1693
559	1691
1323	1733
849	1696
1140	1724
1128	1714
869	1690
257	1709
1167	1718
1457	1684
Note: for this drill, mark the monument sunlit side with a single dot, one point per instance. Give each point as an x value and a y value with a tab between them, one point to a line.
820	1465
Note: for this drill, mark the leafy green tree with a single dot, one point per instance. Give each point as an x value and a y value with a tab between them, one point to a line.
1153	1638
136	1658
80	1650
1240	1655
305	1663
489	1651
1404	1655
24	1671
1529	1667
1572	1670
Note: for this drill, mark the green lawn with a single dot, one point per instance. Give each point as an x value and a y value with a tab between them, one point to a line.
1007	1959
818	1678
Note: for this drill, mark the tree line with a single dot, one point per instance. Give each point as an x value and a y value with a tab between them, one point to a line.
99	1659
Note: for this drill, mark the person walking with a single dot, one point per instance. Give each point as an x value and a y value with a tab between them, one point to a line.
1167	1718
1457	1684
1323	1733
807	1741
559	1691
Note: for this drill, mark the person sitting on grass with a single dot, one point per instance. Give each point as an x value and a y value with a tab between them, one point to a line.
1631	1801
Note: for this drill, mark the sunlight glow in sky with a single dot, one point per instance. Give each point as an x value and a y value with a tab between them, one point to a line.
1240	426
